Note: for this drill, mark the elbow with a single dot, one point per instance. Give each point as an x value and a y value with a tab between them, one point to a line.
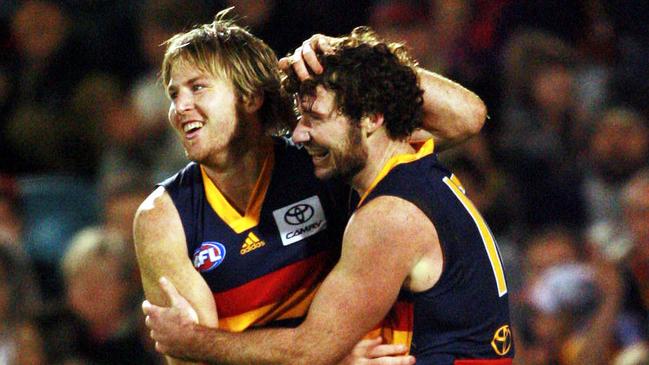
477	118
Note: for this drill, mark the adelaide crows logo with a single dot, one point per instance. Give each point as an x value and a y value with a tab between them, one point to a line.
208	256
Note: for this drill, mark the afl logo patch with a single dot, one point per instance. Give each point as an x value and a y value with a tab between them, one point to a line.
209	256
298	214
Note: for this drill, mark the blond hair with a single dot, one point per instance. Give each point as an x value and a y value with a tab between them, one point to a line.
228	51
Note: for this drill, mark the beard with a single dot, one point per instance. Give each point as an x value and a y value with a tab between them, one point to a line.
348	160
237	143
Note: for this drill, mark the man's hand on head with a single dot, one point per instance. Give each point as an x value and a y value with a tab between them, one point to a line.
305	58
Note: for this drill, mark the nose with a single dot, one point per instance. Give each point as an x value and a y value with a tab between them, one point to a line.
301	133
184	102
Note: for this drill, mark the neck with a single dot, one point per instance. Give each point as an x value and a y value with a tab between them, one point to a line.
236	171
381	148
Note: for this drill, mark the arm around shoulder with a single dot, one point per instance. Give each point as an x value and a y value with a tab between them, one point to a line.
383	242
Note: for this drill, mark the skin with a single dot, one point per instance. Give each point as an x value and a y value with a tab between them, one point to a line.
343	155
198	97
222	148
340	315
451	114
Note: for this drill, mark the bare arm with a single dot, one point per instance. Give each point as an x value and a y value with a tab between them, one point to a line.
341	313
161	251
452	113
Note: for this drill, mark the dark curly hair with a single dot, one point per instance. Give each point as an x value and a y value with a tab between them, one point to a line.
369	76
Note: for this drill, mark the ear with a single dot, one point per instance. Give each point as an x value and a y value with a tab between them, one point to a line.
371	122
253	102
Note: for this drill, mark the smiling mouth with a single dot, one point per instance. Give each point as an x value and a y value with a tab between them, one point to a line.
317	154
192	127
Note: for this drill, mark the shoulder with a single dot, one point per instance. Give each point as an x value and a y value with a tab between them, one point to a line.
391	220
387	212
395	234
187	176
154	206
156	217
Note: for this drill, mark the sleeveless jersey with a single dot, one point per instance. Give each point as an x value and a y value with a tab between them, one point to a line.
464	317
264	267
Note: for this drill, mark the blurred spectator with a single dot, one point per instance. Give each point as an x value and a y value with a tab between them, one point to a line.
576	307
52	155
549	247
11	224
83	135
120	201
618	148
37	135
467	42
30	345
19	341
540	137
630	83
409	21
102	325
108	32
635	204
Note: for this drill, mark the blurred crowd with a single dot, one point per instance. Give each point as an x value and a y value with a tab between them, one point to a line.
560	170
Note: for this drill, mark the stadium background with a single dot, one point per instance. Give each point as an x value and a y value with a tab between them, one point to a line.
560	170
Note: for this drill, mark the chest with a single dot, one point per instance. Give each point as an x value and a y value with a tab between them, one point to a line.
290	229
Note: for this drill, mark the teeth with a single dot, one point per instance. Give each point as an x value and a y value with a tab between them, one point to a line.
193	125
316	153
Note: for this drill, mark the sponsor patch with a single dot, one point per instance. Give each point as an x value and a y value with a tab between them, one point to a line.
208	256
502	340
251	243
300	220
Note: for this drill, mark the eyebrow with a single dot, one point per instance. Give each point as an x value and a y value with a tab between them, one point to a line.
171	87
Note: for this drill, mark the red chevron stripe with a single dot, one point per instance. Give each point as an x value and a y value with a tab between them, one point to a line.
273	287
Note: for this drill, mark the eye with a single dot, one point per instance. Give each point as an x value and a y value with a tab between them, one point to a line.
173	95
198	87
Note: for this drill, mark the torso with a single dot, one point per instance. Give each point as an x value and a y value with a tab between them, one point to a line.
263	267
465	314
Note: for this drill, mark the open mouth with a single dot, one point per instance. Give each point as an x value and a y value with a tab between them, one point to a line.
318	154
192	127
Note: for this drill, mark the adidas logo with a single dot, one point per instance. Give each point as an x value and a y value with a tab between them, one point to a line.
252	242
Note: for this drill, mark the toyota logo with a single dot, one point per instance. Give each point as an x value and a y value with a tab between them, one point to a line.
298	214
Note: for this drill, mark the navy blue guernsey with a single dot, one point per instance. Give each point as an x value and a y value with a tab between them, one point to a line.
264	266
464	317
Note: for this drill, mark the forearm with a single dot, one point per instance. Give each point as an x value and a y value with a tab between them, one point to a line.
255	347
452	113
